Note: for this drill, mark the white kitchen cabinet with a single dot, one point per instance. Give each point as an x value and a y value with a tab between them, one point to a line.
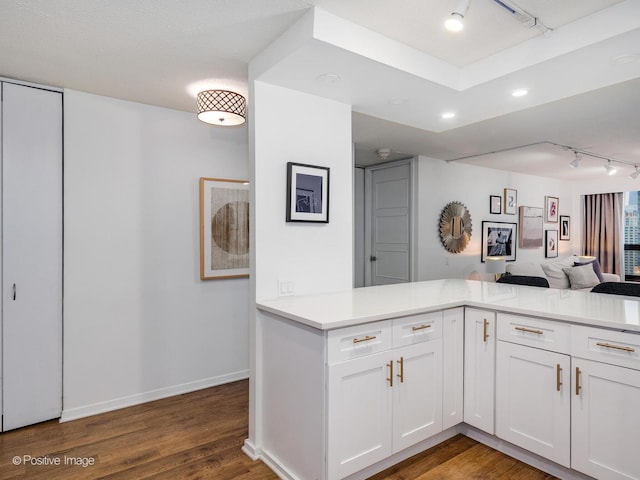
383	402
31	381
533	400
605	406
479	368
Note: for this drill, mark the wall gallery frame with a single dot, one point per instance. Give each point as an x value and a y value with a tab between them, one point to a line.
498	240
510	201
307	193
495	204
551	244
530	227
224	228
565	227
551	208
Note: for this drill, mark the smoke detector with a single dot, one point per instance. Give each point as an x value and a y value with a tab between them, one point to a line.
383	153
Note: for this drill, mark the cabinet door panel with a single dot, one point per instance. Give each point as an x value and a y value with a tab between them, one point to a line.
360	415
605	420
417	394
479	369
532	410
452	367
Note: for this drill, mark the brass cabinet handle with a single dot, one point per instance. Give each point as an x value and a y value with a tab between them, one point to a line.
401	374
558	377
390	379
421	327
366	338
485	334
529	330
578	387
617	347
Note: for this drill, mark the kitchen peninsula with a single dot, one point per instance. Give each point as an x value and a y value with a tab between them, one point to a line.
352	382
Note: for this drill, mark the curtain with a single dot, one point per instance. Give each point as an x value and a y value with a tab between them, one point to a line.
603	235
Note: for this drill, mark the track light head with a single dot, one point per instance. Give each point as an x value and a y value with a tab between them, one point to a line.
454	22
635	173
576	161
610	168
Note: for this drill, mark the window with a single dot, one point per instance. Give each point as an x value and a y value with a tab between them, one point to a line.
631	236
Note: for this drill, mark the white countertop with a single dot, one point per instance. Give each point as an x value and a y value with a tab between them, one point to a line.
360	305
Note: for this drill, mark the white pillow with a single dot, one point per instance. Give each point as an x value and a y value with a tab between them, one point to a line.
555	274
582	276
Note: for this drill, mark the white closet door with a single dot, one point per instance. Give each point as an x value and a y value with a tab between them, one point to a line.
31	255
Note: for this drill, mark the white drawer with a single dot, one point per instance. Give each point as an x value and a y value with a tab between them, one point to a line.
534	332
607	346
358	341
417	328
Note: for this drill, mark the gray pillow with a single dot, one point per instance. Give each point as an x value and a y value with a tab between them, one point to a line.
581	276
596	267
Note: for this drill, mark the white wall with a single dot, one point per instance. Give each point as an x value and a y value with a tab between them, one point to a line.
440	183
139	324
290	126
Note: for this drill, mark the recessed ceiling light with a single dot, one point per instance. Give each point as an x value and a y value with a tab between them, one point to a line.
520	92
448	115
328	78
625	58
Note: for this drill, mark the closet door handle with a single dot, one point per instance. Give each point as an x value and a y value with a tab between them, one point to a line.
14	292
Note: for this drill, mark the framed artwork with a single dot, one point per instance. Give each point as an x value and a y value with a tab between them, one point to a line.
495	204
565	227
551	209
224	228
307	193
510	201
530	227
551	244
498	240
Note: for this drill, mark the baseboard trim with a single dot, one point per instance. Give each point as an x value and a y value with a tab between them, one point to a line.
250	450
139	398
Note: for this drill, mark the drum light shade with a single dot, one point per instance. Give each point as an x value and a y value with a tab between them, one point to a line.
222	107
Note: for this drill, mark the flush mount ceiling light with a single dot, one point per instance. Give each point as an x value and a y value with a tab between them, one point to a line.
610	168
576	161
454	22
520	92
635	174
448	115
221	107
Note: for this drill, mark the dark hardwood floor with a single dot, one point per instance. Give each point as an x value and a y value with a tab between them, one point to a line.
198	436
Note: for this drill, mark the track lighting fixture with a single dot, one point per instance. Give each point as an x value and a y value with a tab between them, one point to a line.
454	22
610	168
635	173
576	161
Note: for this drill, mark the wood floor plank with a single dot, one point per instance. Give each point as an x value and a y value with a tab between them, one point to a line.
199	436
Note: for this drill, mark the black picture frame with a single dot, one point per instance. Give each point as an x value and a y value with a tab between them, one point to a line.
551	243
565	227
499	239
495	204
307	193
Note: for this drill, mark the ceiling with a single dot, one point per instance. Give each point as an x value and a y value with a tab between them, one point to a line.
398	68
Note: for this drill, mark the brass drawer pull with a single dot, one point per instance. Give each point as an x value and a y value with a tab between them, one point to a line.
401	374
366	338
617	347
421	327
529	330
558	376
485	334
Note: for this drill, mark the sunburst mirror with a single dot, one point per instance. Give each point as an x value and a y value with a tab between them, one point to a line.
455	227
